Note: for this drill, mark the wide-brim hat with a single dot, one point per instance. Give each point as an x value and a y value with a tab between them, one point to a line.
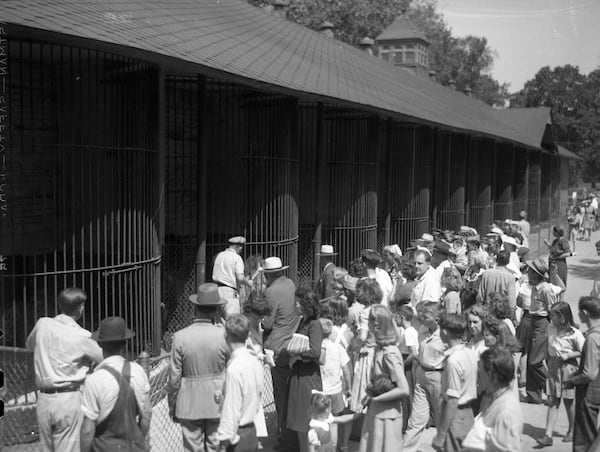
474	239
507	239
237	240
559	230
327	250
349	283
426	237
394	249
273	264
112	329
207	294
441	246
539	266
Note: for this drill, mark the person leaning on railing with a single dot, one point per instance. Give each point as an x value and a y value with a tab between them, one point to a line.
63	353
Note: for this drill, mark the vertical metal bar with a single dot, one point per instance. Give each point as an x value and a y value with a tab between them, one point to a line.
322	191
202	184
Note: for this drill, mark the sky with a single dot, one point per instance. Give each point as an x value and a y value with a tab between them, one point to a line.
530	34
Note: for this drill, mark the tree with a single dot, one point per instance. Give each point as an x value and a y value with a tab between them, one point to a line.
574	99
464	61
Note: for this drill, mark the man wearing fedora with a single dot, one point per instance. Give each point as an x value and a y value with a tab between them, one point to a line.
63	353
325	286
116	397
279	328
542	298
199	355
228	274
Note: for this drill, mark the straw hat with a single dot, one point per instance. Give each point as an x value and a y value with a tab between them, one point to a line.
327	250
207	295
237	240
539	266
273	264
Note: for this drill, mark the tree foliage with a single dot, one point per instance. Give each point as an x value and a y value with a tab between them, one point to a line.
575	102
465	61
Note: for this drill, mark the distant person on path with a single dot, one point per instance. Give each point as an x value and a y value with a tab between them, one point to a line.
116	397
587	379
559	251
279	327
589	220
199	355
63	353
228	274
525	227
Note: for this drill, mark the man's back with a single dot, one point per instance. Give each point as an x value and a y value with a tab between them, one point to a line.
284	320
227	264
498	280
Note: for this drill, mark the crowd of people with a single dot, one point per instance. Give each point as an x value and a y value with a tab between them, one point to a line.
441	334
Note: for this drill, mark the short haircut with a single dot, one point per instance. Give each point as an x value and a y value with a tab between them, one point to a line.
407	269
498	363
503	257
591	305
435	308
326	326
452	279
407	312
368	291
423	253
70	299
455	324
370	257
319	403
237	328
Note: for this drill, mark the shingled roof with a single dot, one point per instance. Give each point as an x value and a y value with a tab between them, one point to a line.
401	28
536	123
233	38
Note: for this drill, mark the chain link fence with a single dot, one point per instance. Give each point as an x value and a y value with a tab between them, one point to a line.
19	429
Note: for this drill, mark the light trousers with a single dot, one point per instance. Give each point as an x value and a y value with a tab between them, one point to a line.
200	435
59	421
427	401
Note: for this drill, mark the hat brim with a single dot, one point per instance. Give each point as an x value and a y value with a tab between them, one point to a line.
272	270
531	265
128	335
194	299
327	254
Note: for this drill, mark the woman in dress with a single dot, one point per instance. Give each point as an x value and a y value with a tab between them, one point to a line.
498	426
382	428
452	284
306	374
589	218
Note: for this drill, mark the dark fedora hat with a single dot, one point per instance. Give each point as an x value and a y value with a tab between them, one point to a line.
207	295
112	329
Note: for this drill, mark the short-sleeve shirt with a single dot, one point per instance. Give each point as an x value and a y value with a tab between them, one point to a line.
336	358
459	379
101	389
427	288
564	342
478	347
409	337
228	263
542	299
387	361
431	351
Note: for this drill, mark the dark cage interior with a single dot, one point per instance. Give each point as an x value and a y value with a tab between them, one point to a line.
82	174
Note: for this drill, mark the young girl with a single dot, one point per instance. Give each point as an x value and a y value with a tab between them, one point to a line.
382	427
321	437
565	343
452	284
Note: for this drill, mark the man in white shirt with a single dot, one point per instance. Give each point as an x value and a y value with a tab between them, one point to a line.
428	280
228	274
116	397
242	392
63	353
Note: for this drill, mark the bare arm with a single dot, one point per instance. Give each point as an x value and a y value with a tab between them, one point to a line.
449	410
88	430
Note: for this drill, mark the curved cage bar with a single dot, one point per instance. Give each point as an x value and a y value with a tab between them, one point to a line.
84	202
450	176
546	188
534	187
479	185
520	193
504	164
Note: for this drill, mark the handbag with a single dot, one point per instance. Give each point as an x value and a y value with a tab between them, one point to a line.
299	343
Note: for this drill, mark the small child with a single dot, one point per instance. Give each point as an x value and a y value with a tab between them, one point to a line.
321	435
565	343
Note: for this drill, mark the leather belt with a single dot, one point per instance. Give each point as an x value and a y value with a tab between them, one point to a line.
430	369
220	284
250	425
59	390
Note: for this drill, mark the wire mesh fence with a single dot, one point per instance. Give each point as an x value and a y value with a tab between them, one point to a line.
19	429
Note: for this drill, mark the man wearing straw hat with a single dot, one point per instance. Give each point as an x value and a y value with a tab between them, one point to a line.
279	327
199	355
116	397
63	353
228	274
326	282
